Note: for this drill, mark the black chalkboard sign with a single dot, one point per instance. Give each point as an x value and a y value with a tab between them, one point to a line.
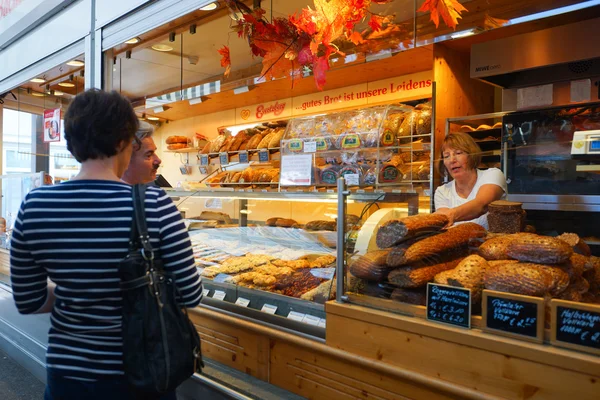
576	325
224	158
243	157
263	155
449	305
203	159
513	315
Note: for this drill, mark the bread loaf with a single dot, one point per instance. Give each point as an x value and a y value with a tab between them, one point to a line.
411	296
391	232
286	223
417	276
575	291
579	246
496	247
176	139
240	138
217	143
264	143
453	239
272	221
320	226
539	249
254	141
276	137
371	266
519	278
176	146
468	274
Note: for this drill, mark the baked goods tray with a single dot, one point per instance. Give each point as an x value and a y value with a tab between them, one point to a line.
258	299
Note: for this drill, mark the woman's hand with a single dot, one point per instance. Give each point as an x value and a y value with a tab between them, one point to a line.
450	213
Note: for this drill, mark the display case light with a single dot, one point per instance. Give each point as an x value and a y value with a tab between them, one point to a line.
66	84
162	47
37	80
76	63
133	40
151	118
461	34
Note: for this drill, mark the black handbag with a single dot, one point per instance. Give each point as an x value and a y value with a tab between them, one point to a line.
161	347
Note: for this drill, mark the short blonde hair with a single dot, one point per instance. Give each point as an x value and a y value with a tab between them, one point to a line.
460	141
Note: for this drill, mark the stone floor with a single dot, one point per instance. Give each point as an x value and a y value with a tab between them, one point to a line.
16	383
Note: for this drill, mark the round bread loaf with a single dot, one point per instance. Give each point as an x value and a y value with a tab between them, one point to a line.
176	139
177	146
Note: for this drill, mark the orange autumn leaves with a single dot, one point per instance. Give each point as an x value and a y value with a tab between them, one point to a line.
449	10
225	60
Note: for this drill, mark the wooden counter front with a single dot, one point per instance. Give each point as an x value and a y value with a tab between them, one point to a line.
490	364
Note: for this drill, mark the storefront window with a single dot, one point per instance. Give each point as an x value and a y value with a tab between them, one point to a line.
17	128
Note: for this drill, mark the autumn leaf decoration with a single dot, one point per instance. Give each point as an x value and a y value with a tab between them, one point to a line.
225	60
449	10
288	46
493	23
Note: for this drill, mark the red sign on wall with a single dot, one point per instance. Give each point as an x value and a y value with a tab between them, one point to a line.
7	6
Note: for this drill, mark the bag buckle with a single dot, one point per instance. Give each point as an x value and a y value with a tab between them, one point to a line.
145	256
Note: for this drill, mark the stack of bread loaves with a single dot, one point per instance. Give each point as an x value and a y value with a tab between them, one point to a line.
176	142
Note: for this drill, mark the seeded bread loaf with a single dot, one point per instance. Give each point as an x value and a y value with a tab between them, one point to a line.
371	266
579	246
519	278
496	247
393	231
539	249
467	274
416	276
453	239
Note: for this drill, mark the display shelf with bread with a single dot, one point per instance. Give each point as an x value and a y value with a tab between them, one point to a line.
278	248
486	130
380	147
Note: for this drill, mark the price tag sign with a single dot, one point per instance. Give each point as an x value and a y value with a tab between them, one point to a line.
220	278
311	320
575	326
205	292
203	159
243	155
322	323
296	170
310	147
242	302
449	305
513	315
219	295
351	179
224	158
269	308
203	170
296	316
263	155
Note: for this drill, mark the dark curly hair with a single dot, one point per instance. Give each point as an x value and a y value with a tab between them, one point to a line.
97	123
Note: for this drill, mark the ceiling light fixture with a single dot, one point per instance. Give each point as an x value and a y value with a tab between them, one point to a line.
133	40
152	118
37	80
58	93
37	94
76	63
66	84
161	47
210	7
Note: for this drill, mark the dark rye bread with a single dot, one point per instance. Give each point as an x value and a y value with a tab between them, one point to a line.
540	249
453	240
371	266
418	276
391	232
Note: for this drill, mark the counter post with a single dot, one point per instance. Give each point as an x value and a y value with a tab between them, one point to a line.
341	235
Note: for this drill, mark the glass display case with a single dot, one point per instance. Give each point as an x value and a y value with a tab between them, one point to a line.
272	257
378	147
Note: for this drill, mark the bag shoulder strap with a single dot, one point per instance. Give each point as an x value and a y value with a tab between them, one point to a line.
139	216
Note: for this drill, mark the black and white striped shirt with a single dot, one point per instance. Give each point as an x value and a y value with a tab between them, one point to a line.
75	234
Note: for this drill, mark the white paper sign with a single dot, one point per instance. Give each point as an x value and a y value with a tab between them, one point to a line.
580	90
219	295
535	96
205	292
310	147
322	323
311	320
351	179
296	170
215	204
242	302
269	308
296	316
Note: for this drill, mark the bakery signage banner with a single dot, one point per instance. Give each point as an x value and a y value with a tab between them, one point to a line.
52	125
264	112
403	88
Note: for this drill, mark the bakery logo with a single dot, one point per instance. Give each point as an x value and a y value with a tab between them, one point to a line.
487	68
245	114
276	109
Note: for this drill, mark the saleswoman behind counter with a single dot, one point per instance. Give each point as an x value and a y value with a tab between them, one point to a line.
467	196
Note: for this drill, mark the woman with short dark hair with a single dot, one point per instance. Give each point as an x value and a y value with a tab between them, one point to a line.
76	233
471	190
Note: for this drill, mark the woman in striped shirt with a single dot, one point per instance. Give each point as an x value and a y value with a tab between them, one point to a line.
75	234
